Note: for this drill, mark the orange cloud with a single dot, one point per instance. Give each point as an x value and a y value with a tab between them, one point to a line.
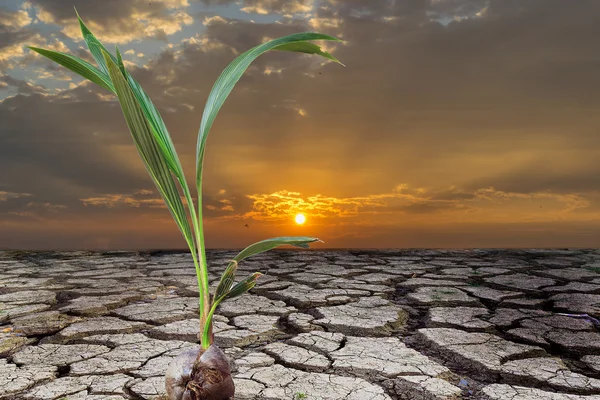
406	204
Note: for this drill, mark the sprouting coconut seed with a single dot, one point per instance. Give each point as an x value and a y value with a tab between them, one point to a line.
208	376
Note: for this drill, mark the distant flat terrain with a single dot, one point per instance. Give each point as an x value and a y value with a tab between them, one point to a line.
320	325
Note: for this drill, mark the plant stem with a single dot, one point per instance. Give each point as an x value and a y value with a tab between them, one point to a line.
207	332
199	261
204	295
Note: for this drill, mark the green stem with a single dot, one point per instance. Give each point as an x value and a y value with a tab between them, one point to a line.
205	316
201	269
207	332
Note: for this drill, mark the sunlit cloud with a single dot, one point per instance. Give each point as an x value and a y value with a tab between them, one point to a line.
17	49
22	86
137	19
445	11
46	206
136	200
271	70
322	23
4	196
14	20
215	20
264	7
25	214
486	204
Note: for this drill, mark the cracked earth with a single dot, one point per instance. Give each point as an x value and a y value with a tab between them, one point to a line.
320	325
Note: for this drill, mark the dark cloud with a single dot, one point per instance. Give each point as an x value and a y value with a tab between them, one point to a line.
453	195
561	176
428	208
10	37
226	204
556	234
22	87
50	149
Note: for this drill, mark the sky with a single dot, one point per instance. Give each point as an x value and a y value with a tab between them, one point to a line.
455	124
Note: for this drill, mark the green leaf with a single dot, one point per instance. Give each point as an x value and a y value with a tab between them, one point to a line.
96	48
308	48
232	74
268	244
216	98
148	148
77	65
239	289
225	282
243	286
120	61
159	129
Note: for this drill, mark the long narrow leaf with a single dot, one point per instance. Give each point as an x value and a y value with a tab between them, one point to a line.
239	289
308	48
77	65
226	281
96	48
228	276
159	129
268	244
232	74
148	148
243	286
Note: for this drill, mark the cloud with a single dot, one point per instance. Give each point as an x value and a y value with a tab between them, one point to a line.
14	20
224	203
137	199
216	19
67	146
21	86
19	205
116	21
319	24
277	6
4	195
266	6
484	204
15	32
446	11
46	206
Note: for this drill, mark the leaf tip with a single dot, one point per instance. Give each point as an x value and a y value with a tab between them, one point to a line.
84	28
106	56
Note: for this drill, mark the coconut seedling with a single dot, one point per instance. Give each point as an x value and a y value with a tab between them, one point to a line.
202	373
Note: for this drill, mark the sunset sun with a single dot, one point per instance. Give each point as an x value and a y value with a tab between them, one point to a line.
300	219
